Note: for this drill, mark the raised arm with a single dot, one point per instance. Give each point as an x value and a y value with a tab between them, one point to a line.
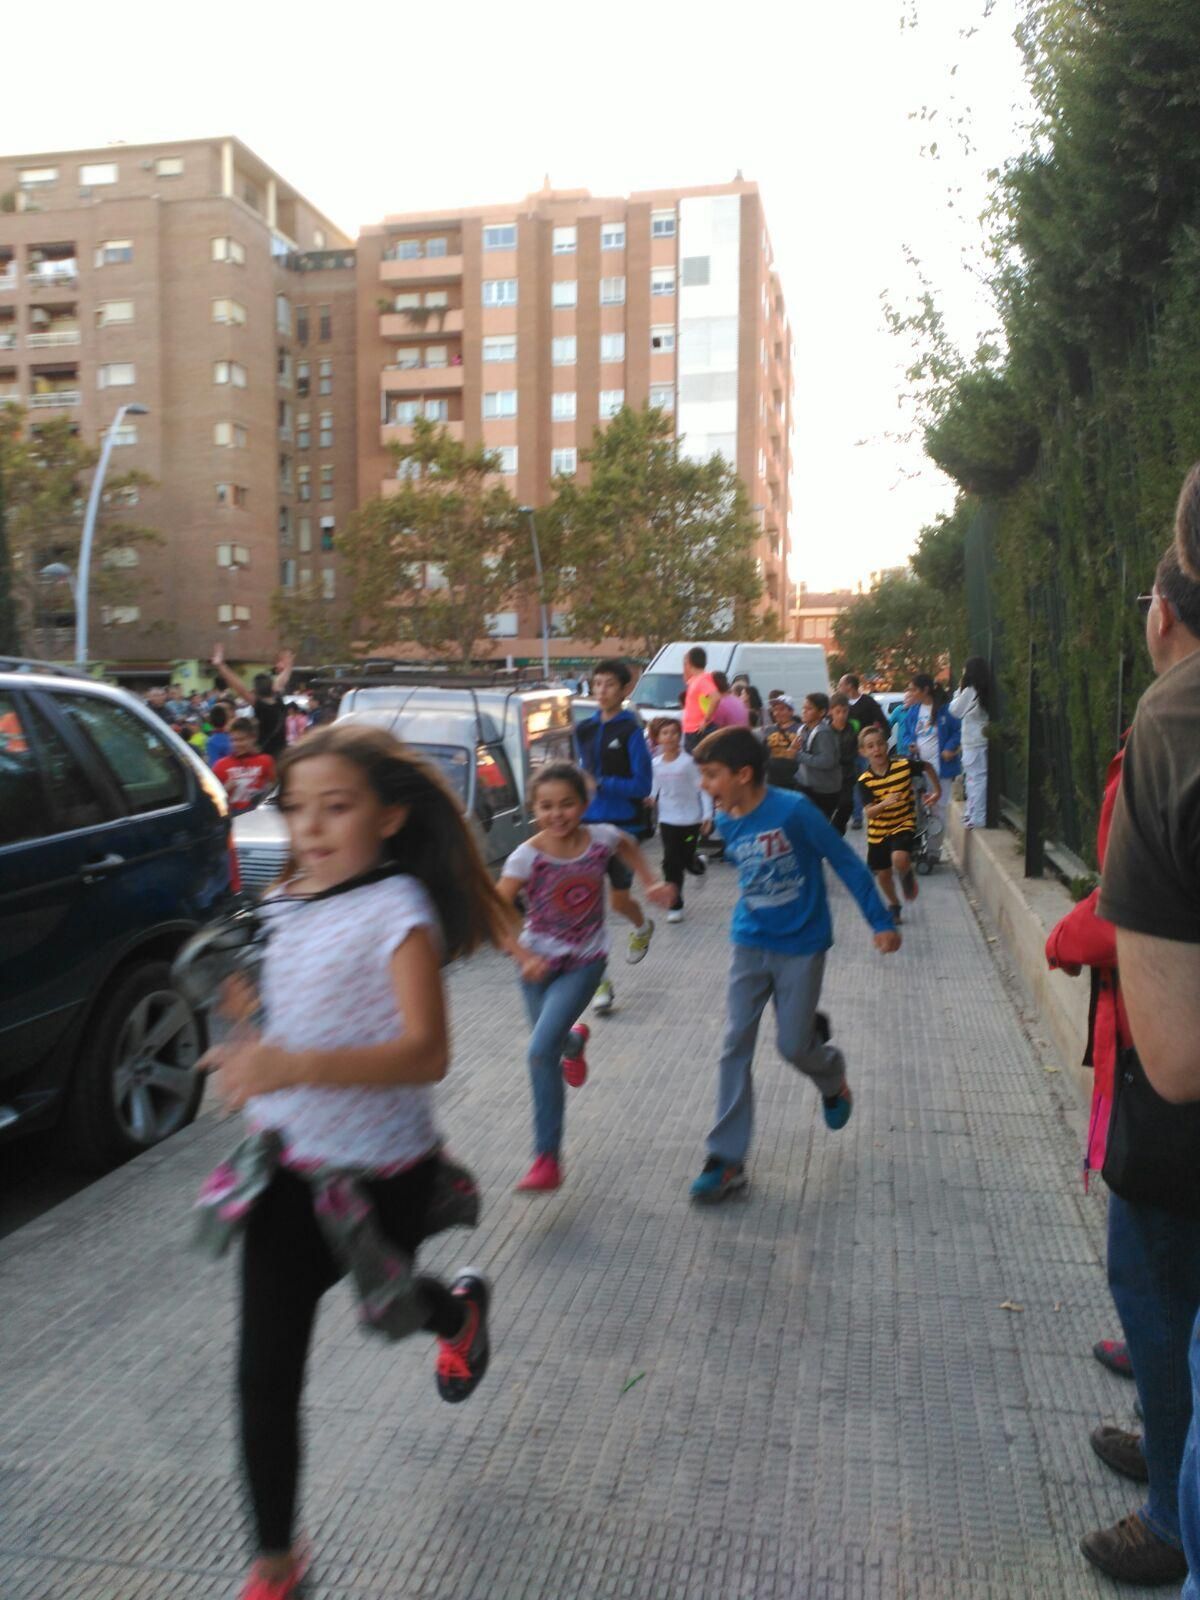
283	675
228	675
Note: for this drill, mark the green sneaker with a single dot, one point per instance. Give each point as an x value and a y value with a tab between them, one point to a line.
639	942
604	996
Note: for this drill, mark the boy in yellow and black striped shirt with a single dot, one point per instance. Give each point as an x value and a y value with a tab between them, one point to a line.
890	807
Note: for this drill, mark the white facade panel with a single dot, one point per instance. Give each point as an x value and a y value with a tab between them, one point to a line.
710	238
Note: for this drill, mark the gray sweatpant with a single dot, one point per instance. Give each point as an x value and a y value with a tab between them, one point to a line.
794	983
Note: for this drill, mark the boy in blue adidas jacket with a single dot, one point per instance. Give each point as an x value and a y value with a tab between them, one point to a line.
781	930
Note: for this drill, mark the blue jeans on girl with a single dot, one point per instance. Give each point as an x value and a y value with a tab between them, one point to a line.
554	1005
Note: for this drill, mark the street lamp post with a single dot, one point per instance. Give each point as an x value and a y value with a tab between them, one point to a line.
527	511
131	409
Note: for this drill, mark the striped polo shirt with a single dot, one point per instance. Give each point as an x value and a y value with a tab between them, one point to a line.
896	786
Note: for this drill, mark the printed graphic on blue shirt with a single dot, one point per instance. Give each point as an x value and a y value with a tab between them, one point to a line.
768	871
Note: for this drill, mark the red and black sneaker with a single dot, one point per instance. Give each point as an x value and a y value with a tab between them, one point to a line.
1114	1354
463	1360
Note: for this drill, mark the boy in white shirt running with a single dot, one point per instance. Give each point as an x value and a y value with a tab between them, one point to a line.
684	810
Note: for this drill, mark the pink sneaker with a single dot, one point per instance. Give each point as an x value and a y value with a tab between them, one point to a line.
260	1587
574	1067
545	1174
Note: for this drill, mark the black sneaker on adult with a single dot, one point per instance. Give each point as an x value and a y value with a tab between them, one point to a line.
1122	1451
1130	1553
463	1360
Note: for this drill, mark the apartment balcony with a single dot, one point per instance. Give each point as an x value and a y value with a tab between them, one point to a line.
47	277
8	278
9	396
54	399
421	269
402	433
52	338
399	325
422	380
8	338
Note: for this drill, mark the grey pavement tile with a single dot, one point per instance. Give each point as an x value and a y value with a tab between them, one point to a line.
830	1401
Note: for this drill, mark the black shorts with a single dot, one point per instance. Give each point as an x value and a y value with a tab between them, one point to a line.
619	874
879	856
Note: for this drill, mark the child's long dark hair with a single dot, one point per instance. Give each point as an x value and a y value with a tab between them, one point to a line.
976	676
435	844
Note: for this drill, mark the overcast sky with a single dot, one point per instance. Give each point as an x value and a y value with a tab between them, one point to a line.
369	109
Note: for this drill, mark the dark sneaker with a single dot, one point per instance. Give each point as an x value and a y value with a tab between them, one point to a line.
718	1181
836	1108
1122	1451
821	1026
463	1360
697	866
1130	1553
1114	1354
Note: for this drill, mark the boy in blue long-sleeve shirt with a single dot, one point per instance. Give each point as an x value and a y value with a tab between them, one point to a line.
781	931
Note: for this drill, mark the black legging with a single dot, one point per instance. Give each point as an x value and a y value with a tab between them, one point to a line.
286	1268
826	804
843	811
679	854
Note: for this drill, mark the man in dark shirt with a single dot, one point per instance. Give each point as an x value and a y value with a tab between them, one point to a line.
865	712
1151	891
270	713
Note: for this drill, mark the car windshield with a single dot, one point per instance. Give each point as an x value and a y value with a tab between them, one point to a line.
451	761
659	689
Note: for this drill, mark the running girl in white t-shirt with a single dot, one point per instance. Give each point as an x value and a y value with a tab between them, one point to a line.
383	885
683	808
564	944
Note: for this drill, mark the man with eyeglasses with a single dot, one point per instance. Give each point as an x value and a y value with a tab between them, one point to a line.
1151	891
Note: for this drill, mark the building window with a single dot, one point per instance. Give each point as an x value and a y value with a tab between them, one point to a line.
116	375
113	251
436	297
662	224
324	323
230	435
231	494
328	527
562	406
302	379
37	177
110	311
612	236
695	272
304	484
229	250
120	557
285	525
508	459
500	403
325	434
301	324
303	430
564	241
169	167
500	347
283	367
612	347
283	315
96	173
405	412
612	291
500	236
328	583
232	372
611	401
437	410
233	616
325	377
662	280
562	350
405	250
435	249
437	356
231	312
287	573
503	624
499	291
564	293
662	338
563	463
304	535
285	474
126	434
662	396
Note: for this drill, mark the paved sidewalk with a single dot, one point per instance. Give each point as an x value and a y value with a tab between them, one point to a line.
831	1400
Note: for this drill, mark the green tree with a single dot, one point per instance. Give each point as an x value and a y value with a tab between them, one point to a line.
429	564
45	473
655	546
895	629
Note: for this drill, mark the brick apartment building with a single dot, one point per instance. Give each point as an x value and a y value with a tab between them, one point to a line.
191	279
275	360
525	325
813	615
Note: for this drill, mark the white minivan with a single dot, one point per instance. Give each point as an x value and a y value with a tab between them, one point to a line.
797	669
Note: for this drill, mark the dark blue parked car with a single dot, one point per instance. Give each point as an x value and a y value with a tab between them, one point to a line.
114	847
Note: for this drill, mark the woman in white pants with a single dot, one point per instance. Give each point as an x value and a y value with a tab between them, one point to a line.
970	706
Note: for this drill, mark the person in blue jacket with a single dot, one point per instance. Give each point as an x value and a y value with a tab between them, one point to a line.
611	749
930	733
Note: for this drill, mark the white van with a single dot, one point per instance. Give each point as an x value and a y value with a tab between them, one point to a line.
797	669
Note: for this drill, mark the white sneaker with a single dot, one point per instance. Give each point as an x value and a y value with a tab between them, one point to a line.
675	915
604	997
639	942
